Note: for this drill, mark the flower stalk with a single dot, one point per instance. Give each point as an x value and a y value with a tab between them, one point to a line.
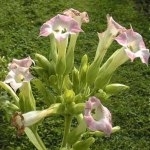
67	125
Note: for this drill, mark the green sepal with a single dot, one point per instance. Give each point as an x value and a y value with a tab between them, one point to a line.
84	144
100	134
101	95
78	108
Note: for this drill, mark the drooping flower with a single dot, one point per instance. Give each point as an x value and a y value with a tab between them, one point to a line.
20	121
107	37
134	45
80	17
101	120
61	26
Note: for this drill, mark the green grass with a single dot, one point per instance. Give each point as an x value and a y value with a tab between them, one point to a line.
19	28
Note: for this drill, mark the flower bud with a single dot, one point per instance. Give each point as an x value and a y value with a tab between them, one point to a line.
69	96
44	63
75	79
83	71
115	88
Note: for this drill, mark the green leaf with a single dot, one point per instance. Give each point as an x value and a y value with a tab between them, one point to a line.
76	133
48	97
34	139
10	91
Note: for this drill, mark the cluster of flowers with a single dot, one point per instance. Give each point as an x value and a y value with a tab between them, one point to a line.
63	30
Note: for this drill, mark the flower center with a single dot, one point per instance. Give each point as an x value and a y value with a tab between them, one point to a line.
61	29
19	78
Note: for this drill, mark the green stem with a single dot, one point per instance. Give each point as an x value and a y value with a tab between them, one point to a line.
68	119
60	83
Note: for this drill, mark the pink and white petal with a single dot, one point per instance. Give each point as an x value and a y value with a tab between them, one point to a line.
60	36
104	125
101	120
90	122
15	85
113	26
122	39
10	77
26	62
74	27
130	54
45	30
143	55
28	77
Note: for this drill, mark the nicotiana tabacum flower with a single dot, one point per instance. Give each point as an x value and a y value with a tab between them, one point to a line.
134	45
61	26
20	121
19	73
80	17
101	119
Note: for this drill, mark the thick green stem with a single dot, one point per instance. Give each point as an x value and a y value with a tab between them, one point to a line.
68	119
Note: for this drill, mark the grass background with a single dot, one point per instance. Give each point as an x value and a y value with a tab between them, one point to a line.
20	21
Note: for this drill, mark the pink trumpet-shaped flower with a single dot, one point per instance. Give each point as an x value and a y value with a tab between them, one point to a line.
101	120
134	45
61	26
17	77
19	72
